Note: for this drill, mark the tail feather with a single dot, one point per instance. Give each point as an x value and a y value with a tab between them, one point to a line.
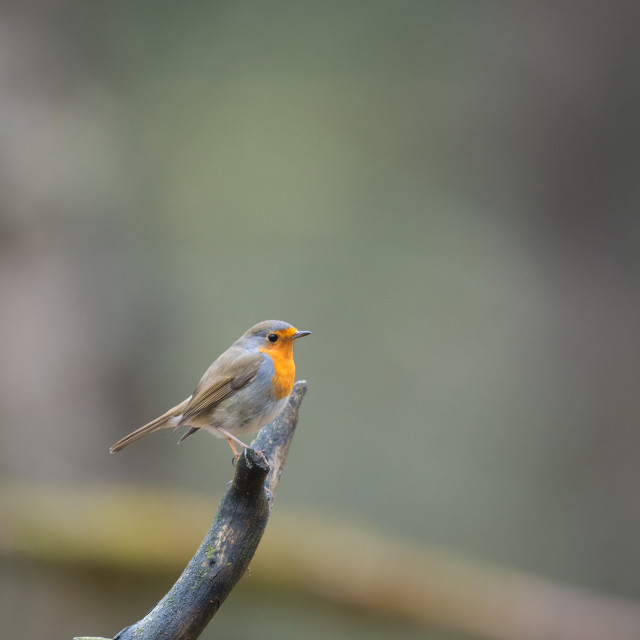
191	431
162	422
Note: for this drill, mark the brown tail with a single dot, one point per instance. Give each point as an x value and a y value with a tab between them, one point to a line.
159	423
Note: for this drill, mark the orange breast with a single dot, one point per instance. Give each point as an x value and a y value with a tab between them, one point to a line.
285	369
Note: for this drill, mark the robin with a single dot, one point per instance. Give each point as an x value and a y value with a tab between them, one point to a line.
244	389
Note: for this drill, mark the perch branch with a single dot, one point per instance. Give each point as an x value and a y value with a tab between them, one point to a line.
225	552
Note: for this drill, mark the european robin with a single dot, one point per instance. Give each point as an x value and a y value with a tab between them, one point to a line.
244	389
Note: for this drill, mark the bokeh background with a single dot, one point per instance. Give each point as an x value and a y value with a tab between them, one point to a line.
445	193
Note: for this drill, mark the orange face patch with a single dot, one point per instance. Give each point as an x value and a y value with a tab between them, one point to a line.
281	352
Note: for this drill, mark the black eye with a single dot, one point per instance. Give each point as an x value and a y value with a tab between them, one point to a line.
272	337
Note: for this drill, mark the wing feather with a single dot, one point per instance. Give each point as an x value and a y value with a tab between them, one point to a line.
213	388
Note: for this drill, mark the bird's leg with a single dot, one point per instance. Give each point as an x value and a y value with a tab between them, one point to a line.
236	453
231	439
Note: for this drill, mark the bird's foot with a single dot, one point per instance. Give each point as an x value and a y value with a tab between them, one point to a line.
262	454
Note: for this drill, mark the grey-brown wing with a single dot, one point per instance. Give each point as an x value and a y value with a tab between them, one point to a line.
239	371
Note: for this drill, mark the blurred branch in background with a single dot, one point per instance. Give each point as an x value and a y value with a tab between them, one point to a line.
341	564
465	171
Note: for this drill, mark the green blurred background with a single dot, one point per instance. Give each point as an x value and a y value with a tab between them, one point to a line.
445	193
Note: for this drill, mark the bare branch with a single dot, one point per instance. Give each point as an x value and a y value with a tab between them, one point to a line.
230	543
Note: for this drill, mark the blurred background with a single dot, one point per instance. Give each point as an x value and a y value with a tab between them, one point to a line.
445	193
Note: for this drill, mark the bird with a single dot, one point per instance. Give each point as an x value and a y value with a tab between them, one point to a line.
244	389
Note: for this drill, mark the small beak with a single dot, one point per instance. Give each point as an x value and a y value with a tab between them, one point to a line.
300	334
